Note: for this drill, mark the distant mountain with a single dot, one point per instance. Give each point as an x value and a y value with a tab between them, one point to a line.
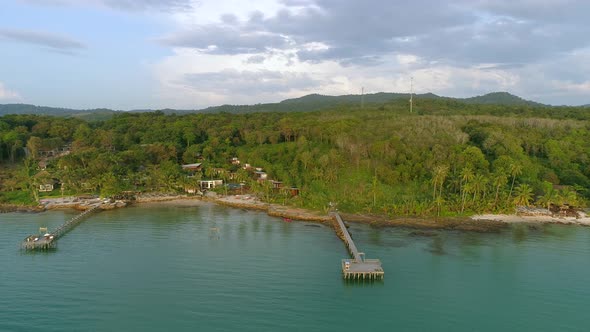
92	114
314	102
311	102
500	98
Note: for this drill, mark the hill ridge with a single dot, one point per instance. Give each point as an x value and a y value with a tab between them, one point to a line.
310	102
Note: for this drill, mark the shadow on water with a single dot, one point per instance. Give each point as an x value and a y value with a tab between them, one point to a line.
268	230
470	244
256	225
397	243
519	233
44	252
375	237
437	246
363	283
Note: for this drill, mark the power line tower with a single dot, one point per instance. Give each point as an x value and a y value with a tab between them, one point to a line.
411	94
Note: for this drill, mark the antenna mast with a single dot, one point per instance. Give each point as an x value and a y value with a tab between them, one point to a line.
363	97
411	93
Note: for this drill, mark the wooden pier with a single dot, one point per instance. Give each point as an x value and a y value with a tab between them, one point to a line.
357	268
48	240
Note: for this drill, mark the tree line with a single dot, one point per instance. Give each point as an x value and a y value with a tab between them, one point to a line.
445	158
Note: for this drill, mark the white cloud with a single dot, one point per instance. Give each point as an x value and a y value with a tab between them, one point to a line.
190	79
124	5
49	40
8	95
252	51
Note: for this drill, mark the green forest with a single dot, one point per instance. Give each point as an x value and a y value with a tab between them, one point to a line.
446	158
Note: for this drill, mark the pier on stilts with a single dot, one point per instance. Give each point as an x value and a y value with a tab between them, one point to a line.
357	268
48	240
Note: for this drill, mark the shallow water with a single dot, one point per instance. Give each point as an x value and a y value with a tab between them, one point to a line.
162	267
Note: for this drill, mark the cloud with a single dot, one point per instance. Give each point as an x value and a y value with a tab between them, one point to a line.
535	48
232	82
365	32
224	39
141	5
256	59
126	5
8	95
52	41
549	11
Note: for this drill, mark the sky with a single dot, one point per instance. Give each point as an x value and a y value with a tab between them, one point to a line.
190	54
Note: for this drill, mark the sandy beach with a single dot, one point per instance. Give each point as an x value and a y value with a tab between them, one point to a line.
482	222
540	219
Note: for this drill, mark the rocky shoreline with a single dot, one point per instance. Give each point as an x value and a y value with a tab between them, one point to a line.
477	223
274	210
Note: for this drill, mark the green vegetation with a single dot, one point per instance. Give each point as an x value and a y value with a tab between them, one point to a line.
446	158
308	103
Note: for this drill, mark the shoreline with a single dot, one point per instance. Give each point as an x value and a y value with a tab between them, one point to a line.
475	223
532	219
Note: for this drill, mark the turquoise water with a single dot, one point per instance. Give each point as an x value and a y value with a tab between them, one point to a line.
161	268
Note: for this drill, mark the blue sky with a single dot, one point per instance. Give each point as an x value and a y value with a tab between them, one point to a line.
132	54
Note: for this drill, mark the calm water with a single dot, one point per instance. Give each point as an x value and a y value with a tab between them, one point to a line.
161	268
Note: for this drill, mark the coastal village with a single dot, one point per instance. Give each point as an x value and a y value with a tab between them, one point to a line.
224	179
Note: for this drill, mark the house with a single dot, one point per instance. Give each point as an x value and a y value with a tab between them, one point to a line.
46	181
277	184
46	187
192	167
235	161
190	190
210	184
42	165
261	176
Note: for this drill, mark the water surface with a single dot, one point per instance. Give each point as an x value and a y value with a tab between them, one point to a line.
213	268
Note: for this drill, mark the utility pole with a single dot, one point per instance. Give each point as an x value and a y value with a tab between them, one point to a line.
411	93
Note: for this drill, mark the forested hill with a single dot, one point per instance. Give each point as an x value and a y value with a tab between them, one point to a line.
501	98
446	157
92	114
315	102
306	103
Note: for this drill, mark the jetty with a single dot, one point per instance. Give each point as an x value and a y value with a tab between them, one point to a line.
48	240
357	267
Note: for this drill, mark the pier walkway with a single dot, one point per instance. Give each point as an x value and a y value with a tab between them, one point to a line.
358	267
49	239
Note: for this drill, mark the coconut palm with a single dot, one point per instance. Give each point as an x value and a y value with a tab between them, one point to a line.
523	195
515	170
500	181
439	175
550	196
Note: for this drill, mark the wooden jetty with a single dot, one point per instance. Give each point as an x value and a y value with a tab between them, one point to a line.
48	240
357	268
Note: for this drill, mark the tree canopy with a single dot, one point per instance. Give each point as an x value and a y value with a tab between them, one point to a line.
445	158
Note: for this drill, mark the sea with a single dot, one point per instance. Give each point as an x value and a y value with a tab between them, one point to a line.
205	267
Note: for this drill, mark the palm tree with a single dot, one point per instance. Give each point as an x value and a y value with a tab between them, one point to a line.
515	170
550	195
439	201
465	186
570	196
523	194
439	175
499	181
479	185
